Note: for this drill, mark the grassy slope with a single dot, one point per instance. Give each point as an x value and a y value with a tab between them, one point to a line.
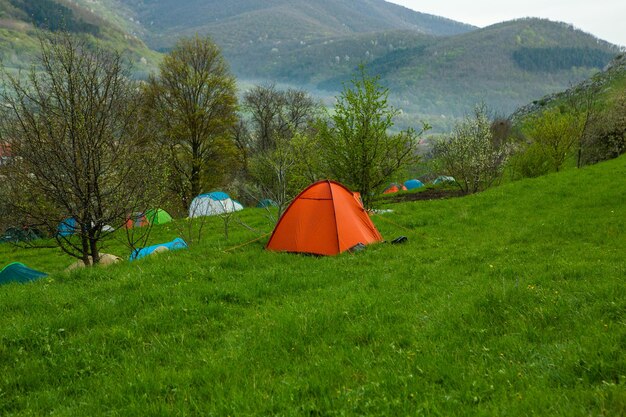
511	302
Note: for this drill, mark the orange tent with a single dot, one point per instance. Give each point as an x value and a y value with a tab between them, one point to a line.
324	219
394	188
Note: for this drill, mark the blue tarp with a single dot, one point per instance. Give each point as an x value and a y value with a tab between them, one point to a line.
18	272
175	244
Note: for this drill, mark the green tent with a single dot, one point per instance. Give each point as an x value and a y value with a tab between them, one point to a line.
18	272
158	216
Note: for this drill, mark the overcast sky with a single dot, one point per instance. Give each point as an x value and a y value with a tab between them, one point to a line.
606	19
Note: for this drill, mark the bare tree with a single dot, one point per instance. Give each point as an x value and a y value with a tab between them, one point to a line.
279	141
78	143
278	114
193	102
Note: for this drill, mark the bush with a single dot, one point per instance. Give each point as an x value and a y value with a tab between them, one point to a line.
471	155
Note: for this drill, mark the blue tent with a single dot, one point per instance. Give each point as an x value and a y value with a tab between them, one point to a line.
175	244
412	184
18	272
67	227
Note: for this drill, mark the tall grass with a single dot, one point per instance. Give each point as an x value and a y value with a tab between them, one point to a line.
509	302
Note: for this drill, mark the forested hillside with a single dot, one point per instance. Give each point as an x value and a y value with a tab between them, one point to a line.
254	23
22	21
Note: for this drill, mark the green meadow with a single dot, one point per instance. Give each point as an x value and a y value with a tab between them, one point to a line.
511	302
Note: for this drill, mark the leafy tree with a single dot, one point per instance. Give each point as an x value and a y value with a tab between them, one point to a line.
605	134
78	144
193	102
471	154
357	146
556	133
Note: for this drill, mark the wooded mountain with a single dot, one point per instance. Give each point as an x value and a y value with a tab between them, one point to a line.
437	69
22	21
253	23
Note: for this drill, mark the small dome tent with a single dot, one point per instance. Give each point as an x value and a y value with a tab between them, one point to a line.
394	188
266	203
136	220
324	219
18	272
413	184
67	227
442	179
152	216
211	204
158	216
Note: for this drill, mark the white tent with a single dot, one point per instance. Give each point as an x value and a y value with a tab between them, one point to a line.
211	204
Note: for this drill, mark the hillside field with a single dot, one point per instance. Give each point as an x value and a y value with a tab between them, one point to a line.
510	302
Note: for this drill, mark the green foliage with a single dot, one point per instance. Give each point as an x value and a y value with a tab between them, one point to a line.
506	302
605	136
471	155
529	162
356	144
555	134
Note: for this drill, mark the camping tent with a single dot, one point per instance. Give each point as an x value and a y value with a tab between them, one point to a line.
442	179
394	188
324	219
18	272
151	216
136	220
266	203
24	234
412	184
67	227
175	244
158	216
210	204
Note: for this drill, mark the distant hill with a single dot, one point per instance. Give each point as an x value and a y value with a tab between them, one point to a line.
21	22
259	23
505	65
608	85
436	69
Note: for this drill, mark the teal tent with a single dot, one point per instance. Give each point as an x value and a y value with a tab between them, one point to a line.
24	234
18	272
267	203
